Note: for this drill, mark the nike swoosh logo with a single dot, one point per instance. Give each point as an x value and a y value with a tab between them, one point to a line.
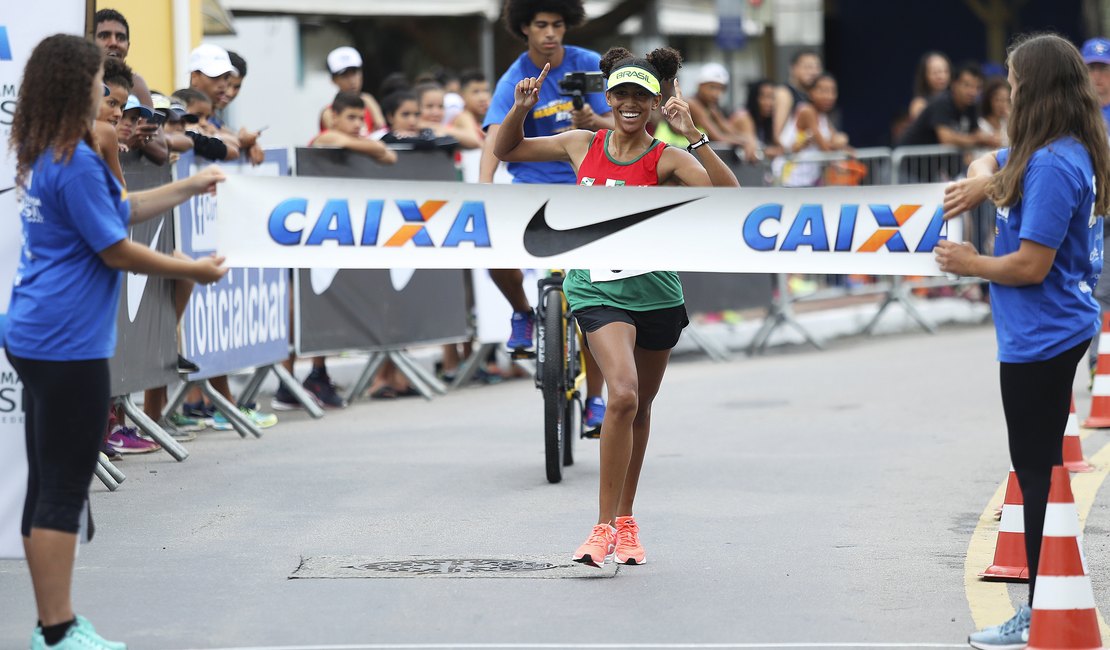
136	283
542	240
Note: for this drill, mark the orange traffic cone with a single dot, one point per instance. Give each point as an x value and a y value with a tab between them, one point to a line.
1064	613
1073	450
1100	389
1009	551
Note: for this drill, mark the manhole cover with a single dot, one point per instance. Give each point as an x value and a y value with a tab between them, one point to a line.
333	566
434	566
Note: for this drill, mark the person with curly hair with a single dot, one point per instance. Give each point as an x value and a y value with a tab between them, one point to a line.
543	24
632	319
62	316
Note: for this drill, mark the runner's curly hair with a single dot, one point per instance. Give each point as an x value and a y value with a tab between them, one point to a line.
518	13
664	61
55	107
1053	99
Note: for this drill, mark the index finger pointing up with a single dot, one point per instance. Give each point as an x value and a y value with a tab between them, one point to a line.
677	92
543	74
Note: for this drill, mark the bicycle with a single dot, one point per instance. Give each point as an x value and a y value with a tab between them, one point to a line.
560	376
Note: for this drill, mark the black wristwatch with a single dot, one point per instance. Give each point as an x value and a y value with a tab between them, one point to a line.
694	145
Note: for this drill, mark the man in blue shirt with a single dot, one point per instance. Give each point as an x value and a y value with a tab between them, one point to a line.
543	24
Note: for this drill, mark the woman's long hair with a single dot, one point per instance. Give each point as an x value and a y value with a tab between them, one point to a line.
1054	98
54	109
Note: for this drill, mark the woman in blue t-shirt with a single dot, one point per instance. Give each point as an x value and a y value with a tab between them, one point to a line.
62	315
1050	187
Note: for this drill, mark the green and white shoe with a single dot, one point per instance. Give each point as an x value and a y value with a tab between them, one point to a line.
259	419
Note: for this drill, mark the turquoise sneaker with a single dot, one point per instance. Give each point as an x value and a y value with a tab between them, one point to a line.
260	420
1011	635
38	642
81	636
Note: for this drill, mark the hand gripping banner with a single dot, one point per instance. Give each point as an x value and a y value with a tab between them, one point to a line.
328	223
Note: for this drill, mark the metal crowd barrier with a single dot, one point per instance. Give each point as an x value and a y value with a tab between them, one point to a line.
868	166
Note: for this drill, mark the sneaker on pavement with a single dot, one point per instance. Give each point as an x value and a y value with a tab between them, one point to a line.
598	546
523	324
1011	635
284	400
180	435
82	636
38	641
259	419
595	412
185	423
110	453
126	440
627	549
322	388
198	410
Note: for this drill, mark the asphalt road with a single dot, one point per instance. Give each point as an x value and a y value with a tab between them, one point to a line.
800	498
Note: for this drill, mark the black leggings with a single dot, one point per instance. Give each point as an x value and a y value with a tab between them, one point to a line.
65	403
1036	398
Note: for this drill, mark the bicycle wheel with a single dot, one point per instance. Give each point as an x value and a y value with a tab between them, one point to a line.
572	418
552	344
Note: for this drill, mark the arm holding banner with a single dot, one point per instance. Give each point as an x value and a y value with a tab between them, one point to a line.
151	203
126	255
967	193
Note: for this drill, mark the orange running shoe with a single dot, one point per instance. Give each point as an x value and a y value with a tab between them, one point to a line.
627	549
598	546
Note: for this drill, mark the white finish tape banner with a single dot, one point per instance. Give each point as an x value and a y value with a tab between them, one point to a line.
346	223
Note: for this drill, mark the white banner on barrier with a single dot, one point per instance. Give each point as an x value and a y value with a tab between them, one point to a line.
20	32
327	222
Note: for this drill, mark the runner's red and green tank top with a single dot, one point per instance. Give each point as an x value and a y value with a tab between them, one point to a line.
640	291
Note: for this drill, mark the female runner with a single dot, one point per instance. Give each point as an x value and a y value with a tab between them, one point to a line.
631	319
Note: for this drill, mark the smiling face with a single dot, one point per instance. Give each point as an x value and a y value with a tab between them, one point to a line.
113	39
111	107
545	34
632	106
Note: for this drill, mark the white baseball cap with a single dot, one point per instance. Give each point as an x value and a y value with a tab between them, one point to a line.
211	61
343	58
713	73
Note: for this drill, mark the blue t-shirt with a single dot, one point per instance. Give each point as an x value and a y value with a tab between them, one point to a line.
1106	114
1040	321
550	115
64	298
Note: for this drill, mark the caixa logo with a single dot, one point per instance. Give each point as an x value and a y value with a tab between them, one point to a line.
5	45
810	229
334	222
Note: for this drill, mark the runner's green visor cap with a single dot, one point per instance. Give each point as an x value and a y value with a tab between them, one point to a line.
631	74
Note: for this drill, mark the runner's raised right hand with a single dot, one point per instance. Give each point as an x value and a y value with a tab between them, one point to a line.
527	92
